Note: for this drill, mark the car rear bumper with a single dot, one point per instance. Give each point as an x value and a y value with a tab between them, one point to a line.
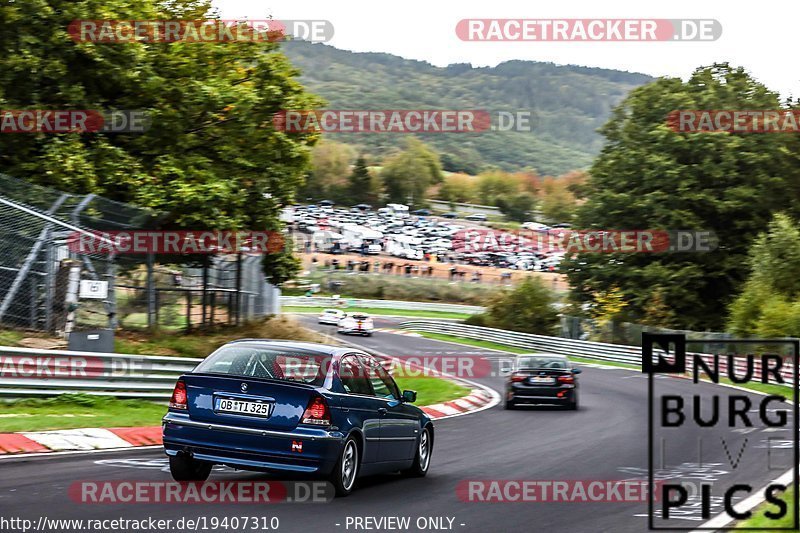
351	331
303	450
532	394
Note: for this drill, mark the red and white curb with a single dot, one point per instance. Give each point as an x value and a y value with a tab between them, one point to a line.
477	400
89	439
84	439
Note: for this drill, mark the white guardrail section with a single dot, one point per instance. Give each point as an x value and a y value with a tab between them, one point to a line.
600	351
26	372
315	301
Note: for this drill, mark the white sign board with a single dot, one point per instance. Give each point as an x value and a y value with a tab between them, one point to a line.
93	289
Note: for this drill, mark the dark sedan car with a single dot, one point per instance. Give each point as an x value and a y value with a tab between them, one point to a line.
294	408
542	379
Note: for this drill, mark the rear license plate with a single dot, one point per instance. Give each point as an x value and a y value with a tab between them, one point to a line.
242	407
541	380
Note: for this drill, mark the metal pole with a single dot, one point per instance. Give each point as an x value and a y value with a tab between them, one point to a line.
37	246
71	298
238	287
111	306
205	289
49	285
188	310
34	300
151	293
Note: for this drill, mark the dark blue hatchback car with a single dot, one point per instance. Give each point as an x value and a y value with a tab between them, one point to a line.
294	408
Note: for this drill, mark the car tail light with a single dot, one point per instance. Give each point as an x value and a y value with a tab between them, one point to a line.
518	377
317	412
179	399
566	379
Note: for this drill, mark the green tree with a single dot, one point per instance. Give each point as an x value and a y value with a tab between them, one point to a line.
457	188
362	187
527	308
495	184
281	266
558	202
330	165
211	157
408	174
649	176
770	301
517	207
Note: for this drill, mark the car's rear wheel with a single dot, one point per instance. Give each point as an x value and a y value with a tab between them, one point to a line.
573	405
510	405
185	468
345	472
422	459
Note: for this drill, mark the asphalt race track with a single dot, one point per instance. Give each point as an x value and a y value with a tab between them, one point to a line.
606	439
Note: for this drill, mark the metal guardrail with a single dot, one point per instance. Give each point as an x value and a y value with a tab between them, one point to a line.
536	343
26	372
316	301
600	351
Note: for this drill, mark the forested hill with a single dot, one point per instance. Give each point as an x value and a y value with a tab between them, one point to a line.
568	104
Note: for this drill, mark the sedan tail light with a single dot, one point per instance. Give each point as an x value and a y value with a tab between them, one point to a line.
179	399
566	379
516	377
317	412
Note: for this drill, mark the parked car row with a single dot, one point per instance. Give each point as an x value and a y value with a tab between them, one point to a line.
392	230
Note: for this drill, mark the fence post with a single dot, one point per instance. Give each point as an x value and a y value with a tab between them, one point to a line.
49	286
189	310
151	293
71	298
238	286
111	276
205	289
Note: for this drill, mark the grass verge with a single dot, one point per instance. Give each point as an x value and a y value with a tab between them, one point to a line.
382	311
758	520
71	411
430	389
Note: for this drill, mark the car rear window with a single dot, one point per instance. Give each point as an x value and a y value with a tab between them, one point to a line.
260	362
555	363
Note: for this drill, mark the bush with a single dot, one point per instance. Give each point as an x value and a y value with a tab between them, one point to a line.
479	319
528	309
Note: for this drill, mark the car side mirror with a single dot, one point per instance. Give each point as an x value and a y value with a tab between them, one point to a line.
409	396
576	370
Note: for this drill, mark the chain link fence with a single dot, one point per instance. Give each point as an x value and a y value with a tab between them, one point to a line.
41	275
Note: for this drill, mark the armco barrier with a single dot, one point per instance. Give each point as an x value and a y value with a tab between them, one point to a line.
315	301
535	343
600	351
26	372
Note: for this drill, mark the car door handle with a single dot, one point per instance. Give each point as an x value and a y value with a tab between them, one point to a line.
382	410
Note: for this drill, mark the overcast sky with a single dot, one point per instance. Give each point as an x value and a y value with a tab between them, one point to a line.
757	35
